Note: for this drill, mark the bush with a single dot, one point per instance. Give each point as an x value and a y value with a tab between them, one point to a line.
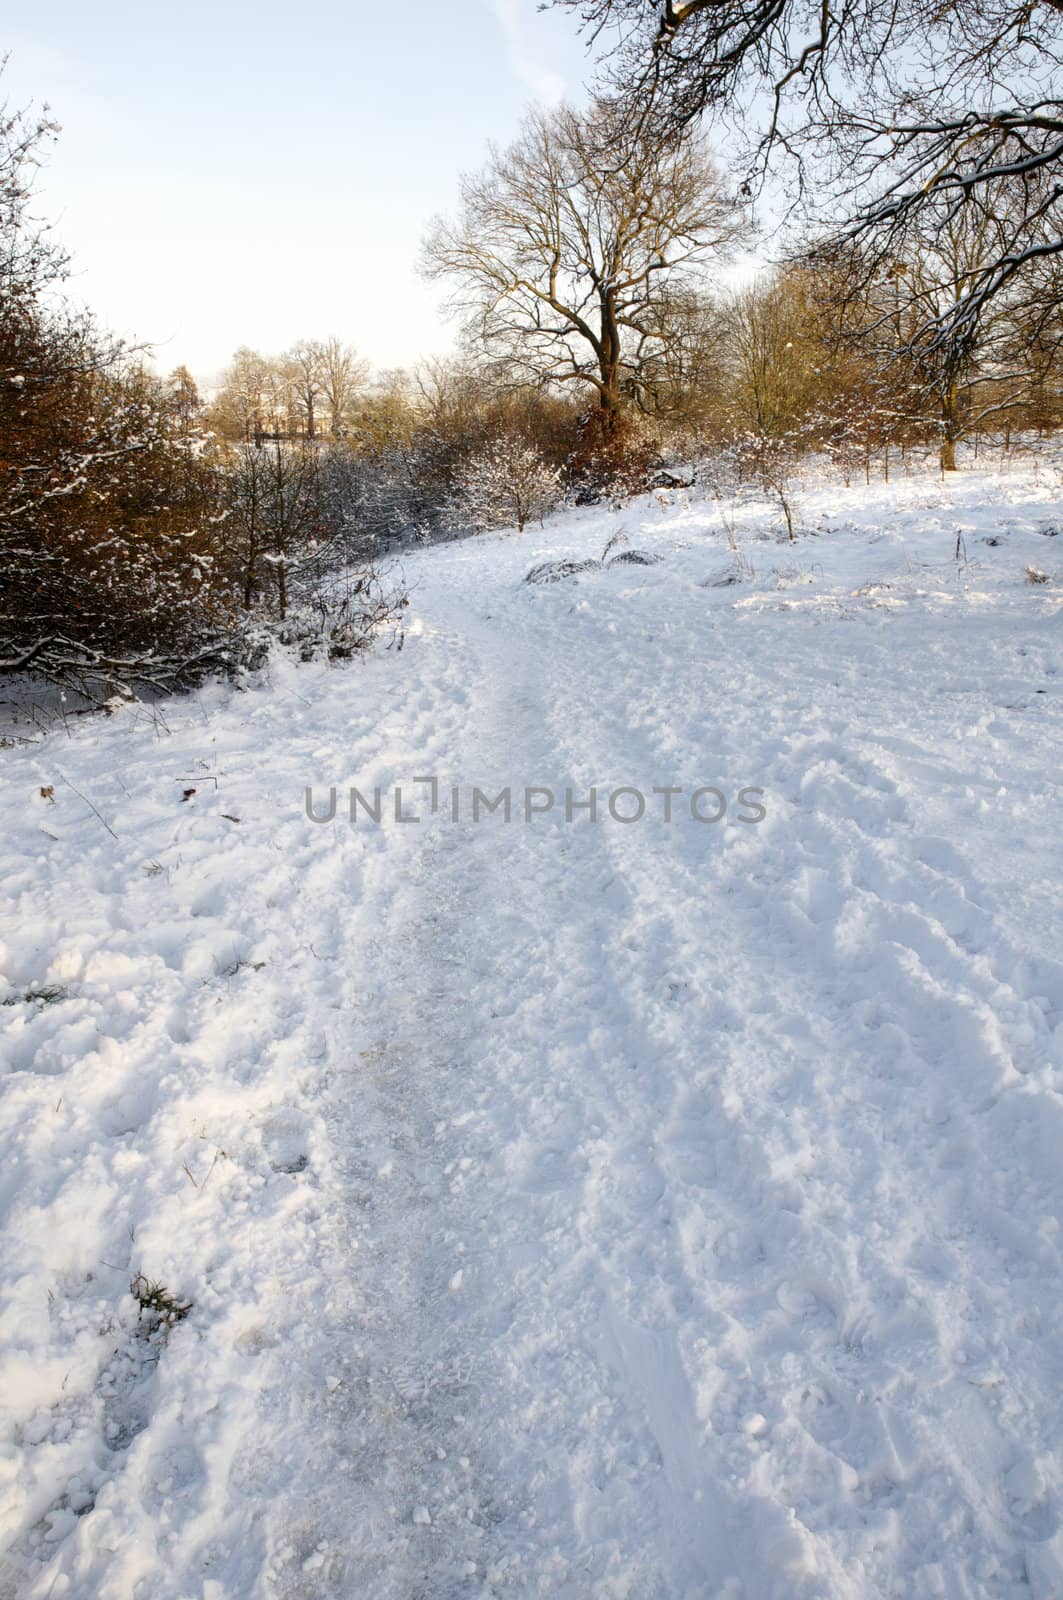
615	457
504	484
109	513
344	618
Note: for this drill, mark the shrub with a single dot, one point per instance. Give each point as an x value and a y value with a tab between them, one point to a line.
615	457
504	484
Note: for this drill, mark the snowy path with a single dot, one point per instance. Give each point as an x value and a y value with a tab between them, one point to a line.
661	1211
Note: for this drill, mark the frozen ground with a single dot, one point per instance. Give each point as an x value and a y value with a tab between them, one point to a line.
648	1211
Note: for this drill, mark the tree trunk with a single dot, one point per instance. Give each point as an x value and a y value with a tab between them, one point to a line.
282	589
249	572
950	419
610	410
609	365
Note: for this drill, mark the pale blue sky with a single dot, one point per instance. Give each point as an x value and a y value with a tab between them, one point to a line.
252	173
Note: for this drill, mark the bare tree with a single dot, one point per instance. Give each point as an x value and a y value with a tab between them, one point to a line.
29	259
960	379
568	244
763	335
880	113
302	368
290	513
184	398
255	397
342	375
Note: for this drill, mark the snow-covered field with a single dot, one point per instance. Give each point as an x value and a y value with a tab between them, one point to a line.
647	1211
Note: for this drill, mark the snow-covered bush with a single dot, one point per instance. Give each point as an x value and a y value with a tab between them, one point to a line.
719	476
776	462
507	483
554	571
392	499
748	463
113	563
345	617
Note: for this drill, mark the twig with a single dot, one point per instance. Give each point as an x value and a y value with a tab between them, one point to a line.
88	802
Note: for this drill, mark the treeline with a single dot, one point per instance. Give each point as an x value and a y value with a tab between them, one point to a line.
812	359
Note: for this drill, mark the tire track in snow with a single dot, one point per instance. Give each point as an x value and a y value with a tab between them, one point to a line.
593	1419
504	1066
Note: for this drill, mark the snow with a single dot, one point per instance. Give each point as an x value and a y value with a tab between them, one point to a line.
566	1208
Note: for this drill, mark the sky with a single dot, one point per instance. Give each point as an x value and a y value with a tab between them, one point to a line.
251	174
